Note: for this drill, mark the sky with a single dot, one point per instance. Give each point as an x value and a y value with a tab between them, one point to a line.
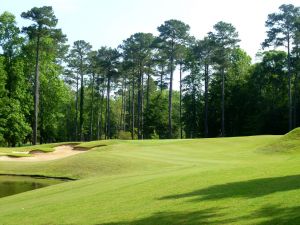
109	22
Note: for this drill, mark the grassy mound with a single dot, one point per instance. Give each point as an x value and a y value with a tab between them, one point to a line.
290	142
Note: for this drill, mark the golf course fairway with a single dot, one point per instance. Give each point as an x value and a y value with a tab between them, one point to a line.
240	180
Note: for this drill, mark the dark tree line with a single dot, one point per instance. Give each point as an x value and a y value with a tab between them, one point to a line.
52	92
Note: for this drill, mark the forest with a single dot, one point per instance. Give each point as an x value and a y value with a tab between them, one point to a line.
53	92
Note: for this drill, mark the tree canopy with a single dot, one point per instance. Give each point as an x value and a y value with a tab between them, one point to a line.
52	92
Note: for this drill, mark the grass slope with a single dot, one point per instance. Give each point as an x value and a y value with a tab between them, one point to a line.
204	181
290	142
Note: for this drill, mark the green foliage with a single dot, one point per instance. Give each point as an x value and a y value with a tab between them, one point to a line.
281	26
173	32
10	41
156	116
138	47
16	126
42	32
78	64
107	93
52	113
239	68
225	39
43	18
124	135
267	87
3	99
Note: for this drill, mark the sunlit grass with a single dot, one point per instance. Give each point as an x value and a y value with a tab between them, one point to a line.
200	181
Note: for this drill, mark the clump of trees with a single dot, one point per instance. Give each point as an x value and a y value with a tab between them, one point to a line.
52	92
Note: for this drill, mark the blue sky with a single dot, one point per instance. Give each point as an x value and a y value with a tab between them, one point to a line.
108	22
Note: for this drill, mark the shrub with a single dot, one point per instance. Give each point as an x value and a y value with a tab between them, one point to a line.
124	135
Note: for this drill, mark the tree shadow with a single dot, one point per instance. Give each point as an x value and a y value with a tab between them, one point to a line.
245	189
267	215
277	215
203	217
270	215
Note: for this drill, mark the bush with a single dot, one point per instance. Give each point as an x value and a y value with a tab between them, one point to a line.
124	135
154	135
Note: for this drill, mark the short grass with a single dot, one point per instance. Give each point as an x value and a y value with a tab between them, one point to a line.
287	143
160	182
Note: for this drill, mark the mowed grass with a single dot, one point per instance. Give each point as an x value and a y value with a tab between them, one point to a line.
200	181
286	144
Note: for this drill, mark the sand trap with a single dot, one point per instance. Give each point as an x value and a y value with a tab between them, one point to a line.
58	153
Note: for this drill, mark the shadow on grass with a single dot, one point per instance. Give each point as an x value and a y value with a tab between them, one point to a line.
276	215
245	189
206	216
268	215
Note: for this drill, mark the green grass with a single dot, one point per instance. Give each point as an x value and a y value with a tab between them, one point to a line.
290	142
201	181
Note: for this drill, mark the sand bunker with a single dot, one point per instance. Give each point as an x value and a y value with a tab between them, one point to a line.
58	153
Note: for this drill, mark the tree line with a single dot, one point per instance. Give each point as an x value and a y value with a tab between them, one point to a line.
52	92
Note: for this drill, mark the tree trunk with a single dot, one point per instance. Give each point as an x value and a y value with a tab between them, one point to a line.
194	110
142	106
98	110
290	91
148	89
92	109
36	91
81	103
170	92
129	107
101	114
122	107
223	103
295	100
206	102
41	114
161	79
76	111
100	117
108	109
139	103
180	98
69	123
105	119
132	110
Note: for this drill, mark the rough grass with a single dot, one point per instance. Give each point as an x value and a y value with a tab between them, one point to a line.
290	142
160	182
